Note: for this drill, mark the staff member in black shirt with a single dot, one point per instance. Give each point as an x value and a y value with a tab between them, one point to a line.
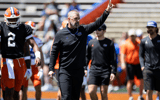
149	55
71	43
102	53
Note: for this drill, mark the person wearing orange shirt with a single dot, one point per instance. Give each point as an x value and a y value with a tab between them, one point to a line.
130	62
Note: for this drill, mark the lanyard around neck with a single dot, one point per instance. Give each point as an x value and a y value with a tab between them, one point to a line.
72	33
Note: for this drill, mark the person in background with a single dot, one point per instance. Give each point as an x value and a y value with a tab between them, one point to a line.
51	12
139	34
149	59
85	78
64	12
74	6
48	84
43	18
102	53
123	38
130	62
37	71
119	69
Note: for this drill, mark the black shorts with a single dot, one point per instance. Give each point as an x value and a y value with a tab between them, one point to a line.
99	80
134	70
151	79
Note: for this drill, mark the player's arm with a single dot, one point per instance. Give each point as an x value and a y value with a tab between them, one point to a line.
32	42
42	58
36	50
27	55
40	68
27	58
141	55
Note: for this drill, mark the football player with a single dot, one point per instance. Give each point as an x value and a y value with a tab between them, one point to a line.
37	72
14	35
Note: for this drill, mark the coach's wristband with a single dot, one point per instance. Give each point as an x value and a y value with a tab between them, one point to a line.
27	58
38	54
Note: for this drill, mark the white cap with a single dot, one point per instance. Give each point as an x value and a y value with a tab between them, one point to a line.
131	32
139	32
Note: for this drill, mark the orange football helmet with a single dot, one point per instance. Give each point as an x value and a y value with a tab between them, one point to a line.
64	24
12	17
32	25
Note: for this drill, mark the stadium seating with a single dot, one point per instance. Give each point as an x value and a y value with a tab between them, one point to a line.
126	15
132	14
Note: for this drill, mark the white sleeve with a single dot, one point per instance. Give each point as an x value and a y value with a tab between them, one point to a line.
38	42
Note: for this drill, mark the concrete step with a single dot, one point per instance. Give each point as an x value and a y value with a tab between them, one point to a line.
24	1
45	1
141	1
124	10
124	5
78	1
132	15
124	29
125	25
20	6
130	20
83	7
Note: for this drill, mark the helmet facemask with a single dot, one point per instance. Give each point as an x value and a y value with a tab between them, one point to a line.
12	22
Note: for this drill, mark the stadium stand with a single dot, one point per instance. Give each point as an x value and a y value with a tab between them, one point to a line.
126	15
132	14
31	9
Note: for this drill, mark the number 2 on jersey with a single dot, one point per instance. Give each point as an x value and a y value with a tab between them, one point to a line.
11	39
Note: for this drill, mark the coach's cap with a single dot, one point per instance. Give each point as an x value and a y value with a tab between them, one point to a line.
103	27
139	32
151	23
131	32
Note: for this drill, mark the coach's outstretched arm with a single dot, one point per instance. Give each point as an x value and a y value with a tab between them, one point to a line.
95	25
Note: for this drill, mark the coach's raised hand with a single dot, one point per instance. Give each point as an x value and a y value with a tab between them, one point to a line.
110	6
